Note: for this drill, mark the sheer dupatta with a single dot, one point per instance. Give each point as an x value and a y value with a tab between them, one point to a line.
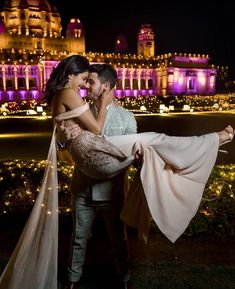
33	264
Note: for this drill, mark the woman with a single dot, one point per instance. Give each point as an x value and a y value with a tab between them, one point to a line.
171	166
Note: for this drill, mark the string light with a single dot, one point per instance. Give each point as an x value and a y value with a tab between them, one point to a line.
20	183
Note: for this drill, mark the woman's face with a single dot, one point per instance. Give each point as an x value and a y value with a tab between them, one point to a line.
78	81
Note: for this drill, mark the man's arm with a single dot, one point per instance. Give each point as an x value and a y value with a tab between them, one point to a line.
64	134
130	129
131	126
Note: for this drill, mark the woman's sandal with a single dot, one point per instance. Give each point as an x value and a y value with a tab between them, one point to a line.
229	134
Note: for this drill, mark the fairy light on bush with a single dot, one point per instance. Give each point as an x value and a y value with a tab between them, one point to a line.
20	183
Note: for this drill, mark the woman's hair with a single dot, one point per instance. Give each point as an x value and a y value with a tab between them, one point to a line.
105	72
74	64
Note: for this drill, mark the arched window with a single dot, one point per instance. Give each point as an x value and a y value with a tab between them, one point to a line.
150	83
135	83
9	84
21	82
127	83
1	83
119	84
142	84
32	83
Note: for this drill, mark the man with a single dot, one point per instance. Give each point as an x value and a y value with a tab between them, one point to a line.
106	196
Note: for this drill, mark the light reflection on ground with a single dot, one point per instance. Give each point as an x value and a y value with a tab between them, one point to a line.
29	137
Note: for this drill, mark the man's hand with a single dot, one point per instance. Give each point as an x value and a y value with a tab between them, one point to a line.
67	133
107	97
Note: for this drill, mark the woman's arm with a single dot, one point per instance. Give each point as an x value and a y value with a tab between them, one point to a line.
70	100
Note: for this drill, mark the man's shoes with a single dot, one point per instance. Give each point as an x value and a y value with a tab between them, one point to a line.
123	285
71	285
128	285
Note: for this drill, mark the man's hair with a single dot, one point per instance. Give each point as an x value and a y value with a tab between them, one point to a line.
105	72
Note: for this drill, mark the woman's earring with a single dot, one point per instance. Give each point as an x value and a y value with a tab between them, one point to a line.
68	81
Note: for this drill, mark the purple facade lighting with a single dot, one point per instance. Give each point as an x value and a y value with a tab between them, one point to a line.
22	94
35	94
143	92
10	95
127	92
135	92
189	59
118	93
165	80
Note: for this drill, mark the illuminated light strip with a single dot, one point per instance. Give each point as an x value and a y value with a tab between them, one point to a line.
24	135
30	116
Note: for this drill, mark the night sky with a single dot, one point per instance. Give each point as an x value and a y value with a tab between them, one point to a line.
201	26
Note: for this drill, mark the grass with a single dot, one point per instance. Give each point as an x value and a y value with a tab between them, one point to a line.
203	262
163	275
176	275
152	268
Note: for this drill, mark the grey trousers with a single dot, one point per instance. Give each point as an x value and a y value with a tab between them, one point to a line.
83	216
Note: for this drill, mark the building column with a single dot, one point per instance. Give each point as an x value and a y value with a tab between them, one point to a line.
146	78
139	78
123	78
41	75
27	76
15	77
4	77
131	78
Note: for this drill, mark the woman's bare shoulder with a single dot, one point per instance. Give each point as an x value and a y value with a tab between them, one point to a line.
70	98
67	92
64	100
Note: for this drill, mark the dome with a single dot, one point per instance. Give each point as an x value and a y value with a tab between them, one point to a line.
42	4
31	17
75	22
74	28
121	45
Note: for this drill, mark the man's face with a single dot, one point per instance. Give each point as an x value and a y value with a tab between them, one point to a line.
95	88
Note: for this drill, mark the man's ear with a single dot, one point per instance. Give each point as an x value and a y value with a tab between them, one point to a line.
106	86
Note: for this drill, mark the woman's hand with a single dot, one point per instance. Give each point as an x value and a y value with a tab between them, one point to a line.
87	119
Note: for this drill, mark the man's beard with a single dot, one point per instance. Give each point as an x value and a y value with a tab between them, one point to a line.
94	97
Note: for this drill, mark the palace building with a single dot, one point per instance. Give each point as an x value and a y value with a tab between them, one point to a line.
31	44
